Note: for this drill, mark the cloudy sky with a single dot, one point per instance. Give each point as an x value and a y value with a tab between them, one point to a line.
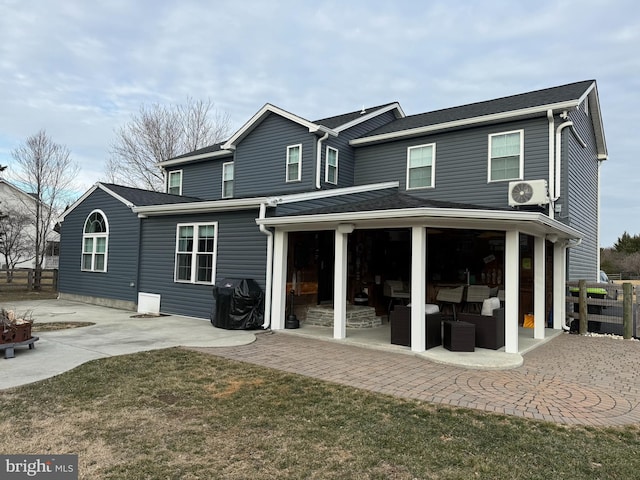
80	69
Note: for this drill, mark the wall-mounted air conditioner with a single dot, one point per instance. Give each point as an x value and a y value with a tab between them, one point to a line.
528	192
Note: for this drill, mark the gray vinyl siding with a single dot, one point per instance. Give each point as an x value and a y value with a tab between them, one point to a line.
580	193
260	165
461	162
241	253
203	179
122	258
346	156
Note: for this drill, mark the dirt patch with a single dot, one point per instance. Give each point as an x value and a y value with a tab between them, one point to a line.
53	326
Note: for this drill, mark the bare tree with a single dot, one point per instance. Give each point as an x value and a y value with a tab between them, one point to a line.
47	172
16	244
158	133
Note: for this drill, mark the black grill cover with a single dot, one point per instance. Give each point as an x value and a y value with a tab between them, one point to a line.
238	305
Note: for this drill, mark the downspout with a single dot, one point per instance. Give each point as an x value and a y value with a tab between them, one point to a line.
319	158
269	274
551	161
558	148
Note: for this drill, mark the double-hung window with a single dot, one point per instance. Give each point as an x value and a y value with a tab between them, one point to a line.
94	242
227	180
506	156
196	246
421	166
294	163
174	183
331	170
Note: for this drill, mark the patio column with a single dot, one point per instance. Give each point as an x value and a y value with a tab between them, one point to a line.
418	290
539	292
559	284
511	290
279	284
340	281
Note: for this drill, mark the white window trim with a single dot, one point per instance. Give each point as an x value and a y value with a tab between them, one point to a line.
299	146
433	166
326	167
224	167
94	236
521	165
194	253
169	174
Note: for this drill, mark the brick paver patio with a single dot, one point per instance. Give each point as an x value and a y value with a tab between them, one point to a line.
571	379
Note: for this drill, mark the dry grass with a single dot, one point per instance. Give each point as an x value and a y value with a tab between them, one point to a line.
179	414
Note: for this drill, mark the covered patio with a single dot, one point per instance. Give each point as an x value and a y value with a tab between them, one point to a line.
481	358
418	217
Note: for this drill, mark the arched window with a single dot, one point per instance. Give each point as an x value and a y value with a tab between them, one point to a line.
95	239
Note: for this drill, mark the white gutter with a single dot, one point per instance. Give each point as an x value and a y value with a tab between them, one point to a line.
269	275
193	158
437	216
551	161
200	207
464	122
319	158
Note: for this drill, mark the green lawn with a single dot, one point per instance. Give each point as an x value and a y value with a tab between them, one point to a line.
180	414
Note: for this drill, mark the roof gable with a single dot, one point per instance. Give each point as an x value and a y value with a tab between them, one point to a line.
259	116
131	197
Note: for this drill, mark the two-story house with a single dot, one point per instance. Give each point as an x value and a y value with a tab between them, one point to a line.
503	193
18	231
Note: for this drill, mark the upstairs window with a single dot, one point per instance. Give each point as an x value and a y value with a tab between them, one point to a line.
506	156
331	170
294	163
227	180
95	239
175	182
421	166
196	246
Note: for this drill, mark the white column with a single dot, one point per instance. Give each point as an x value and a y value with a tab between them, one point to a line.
559	284
418	290
539	293
511	290
340	284
279	286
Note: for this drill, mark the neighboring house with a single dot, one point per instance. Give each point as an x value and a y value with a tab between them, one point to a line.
14	201
503	193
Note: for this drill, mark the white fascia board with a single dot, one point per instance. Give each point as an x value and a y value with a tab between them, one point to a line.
193	158
86	194
464	122
539	224
78	202
368	116
596	118
268	108
334	192
201	207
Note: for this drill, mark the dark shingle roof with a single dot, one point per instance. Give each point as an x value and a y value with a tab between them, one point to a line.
139	197
546	96
338	120
210	149
390	201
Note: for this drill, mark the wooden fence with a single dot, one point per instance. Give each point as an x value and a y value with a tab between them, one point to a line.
23	279
604	308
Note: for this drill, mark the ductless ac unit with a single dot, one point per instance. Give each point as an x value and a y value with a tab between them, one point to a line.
529	192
